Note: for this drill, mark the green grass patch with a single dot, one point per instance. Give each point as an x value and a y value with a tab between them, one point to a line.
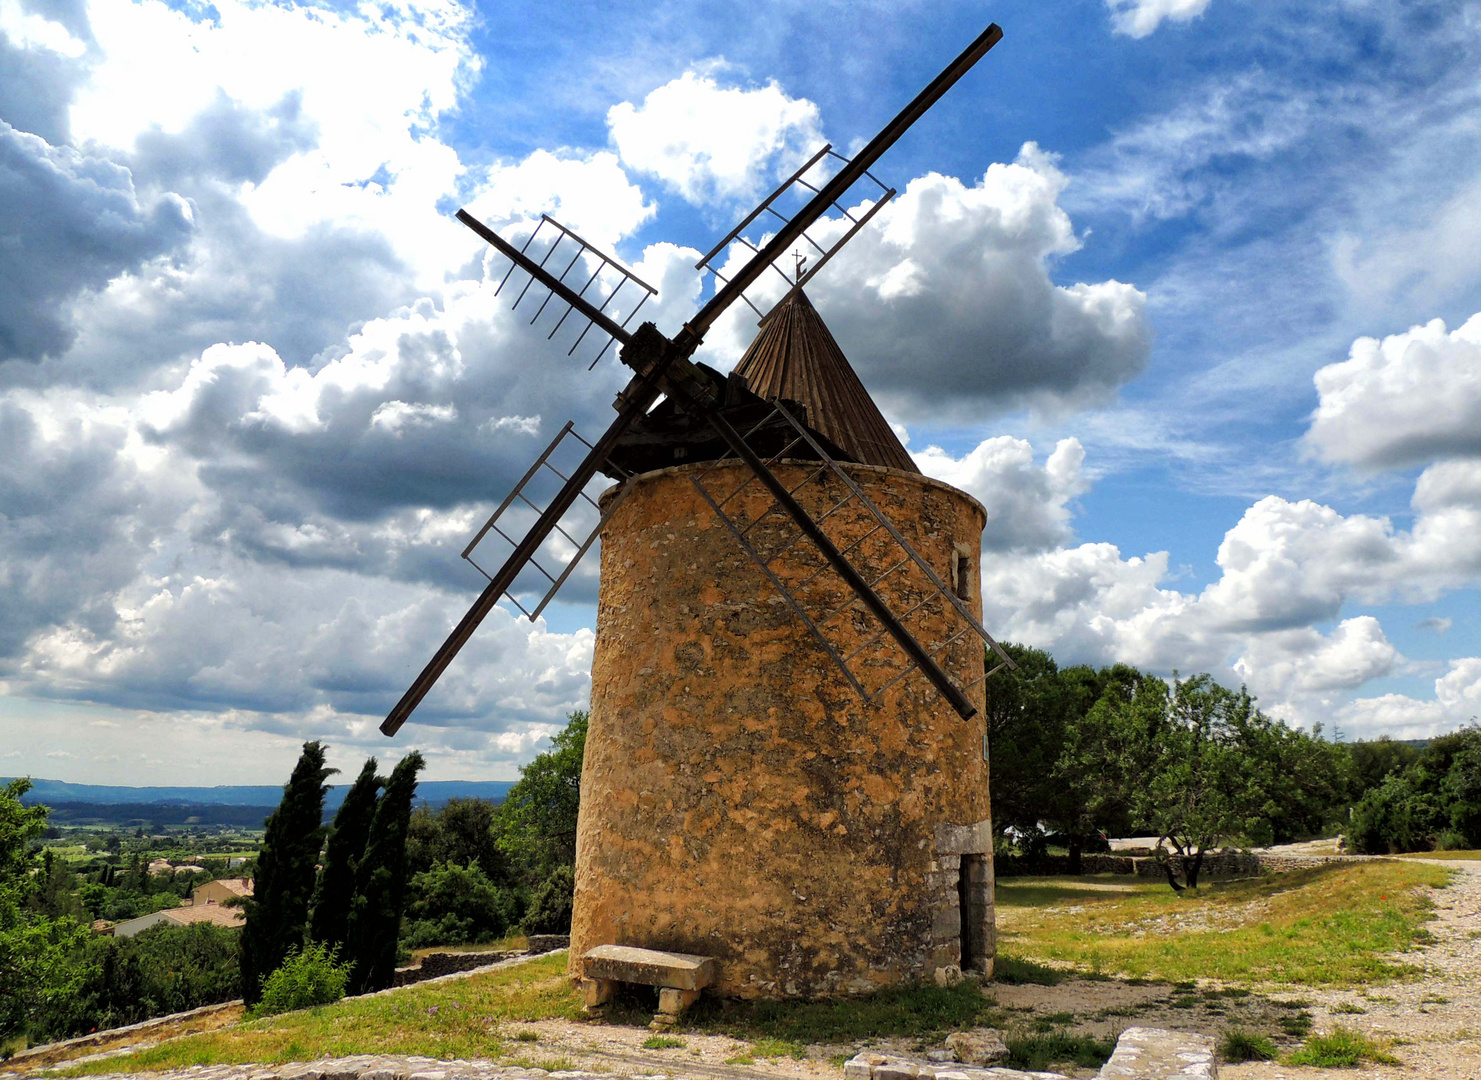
662	1042
1447	856
1038	1051
1349	1009
1334	925
1238	1045
919	1012
459	1019
1340	1048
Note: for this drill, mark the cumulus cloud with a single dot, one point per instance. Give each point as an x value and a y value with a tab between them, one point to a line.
1457	701
1138	18
947	308
1027	504
1404	400
709	142
68	222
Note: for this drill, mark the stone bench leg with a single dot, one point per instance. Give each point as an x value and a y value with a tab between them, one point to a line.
597	992
671	1002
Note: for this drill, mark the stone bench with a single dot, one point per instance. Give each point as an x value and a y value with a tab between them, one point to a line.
679	977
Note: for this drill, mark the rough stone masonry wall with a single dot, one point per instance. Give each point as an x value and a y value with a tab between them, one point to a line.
738	799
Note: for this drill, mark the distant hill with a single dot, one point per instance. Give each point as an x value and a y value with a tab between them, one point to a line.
434	792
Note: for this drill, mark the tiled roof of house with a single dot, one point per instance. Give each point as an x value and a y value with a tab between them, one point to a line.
211	913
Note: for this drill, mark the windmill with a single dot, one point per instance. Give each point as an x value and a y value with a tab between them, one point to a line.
785	773
663	368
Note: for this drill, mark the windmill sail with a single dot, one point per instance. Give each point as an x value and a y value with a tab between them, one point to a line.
663	367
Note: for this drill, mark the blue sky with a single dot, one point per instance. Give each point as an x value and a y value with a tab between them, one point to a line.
1185	291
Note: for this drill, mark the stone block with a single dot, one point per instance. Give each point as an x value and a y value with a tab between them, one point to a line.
857	1068
595	992
980	1046
1156	1054
949	975
896	1070
649	967
963	839
673	1001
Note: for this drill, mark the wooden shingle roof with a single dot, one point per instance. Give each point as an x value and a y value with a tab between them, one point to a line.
795	357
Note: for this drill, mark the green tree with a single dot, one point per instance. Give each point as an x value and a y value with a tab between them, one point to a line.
342	855
283	885
452	904
460	832
35	971
1209	781
380	883
537	820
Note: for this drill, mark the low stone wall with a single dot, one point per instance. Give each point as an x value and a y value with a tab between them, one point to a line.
1216	864
435	965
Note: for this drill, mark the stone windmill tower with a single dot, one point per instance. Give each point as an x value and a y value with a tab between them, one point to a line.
740	800
786	777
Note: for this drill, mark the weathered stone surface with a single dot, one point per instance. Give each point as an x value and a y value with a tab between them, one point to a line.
648	967
738	799
980	1046
1155	1054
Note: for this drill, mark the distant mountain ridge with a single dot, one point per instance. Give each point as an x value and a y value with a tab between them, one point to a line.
435	792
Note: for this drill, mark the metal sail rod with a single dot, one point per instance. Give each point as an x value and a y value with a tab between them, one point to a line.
638	397
835	188
544	277
846	570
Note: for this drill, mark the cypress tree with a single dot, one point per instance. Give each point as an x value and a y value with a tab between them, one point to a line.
380	883
283	884
342	854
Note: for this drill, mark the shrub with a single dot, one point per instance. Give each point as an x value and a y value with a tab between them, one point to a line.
310	976
1239	1045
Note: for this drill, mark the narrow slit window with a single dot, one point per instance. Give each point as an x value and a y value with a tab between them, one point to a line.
962	577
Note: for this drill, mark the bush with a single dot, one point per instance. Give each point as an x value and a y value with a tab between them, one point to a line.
310	976
456	905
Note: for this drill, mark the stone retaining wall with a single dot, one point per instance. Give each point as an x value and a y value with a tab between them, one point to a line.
1216	864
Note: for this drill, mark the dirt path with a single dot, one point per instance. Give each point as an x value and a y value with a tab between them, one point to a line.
1435	1019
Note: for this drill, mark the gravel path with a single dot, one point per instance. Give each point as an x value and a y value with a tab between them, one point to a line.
1435	1019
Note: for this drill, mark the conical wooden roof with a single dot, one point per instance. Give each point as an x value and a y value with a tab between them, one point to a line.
795	357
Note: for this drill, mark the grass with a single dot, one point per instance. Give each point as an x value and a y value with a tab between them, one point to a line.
459	1019
1333	925
1340	1048
1038	1051
1239	1045
1447	856
662	1042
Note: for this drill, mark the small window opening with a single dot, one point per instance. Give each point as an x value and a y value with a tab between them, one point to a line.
961	576
972	901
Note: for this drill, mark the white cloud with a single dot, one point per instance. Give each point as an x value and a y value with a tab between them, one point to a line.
710	142
1304	661
590	195
32	31
372	84
1457	701
1027	504
1409	398
1138	18
395	416
947	308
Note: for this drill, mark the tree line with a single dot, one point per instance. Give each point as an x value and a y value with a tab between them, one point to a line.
1080	753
